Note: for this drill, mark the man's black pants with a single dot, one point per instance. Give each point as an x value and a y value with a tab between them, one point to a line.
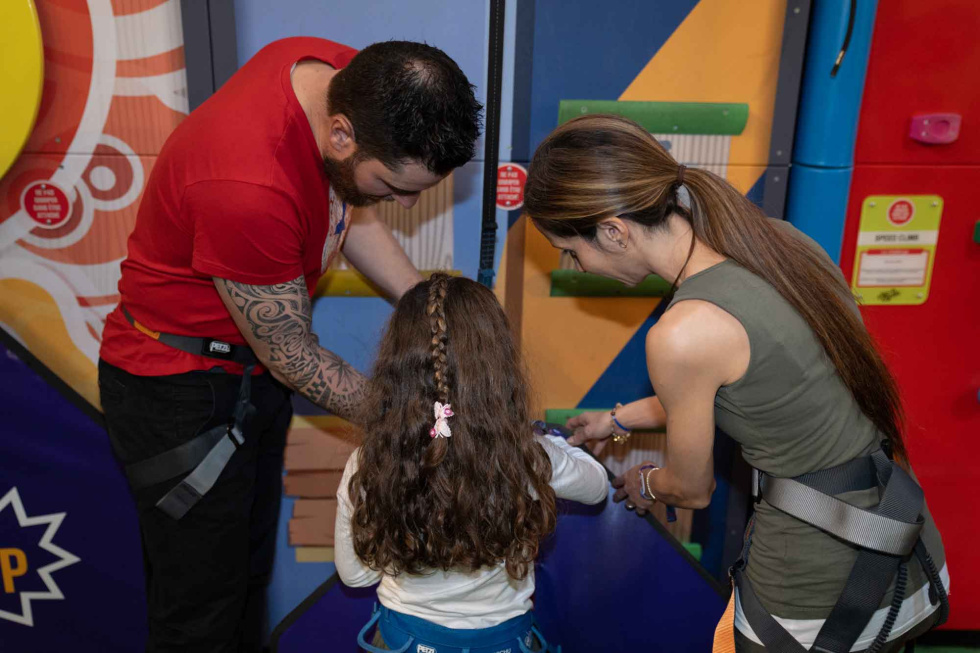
207	573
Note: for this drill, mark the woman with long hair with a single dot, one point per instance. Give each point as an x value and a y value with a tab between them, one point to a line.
450	495
762	337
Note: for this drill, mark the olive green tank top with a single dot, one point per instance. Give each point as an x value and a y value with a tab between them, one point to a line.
792	414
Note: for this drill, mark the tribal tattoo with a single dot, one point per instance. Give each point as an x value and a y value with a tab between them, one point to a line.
280	318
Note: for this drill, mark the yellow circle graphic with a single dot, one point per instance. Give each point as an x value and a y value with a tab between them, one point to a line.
21	76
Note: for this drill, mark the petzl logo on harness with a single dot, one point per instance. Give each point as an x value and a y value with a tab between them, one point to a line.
219	347
422	648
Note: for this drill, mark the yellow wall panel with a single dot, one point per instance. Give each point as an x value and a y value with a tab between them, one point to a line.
724	51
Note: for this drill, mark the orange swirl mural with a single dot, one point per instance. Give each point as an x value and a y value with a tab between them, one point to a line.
114	87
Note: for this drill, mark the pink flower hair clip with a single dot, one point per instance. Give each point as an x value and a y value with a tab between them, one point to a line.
441	429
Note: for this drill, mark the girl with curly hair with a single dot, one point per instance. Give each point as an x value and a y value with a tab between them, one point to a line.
450	495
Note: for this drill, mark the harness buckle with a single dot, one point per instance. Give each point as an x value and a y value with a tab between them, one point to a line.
235	434
756	485
887	448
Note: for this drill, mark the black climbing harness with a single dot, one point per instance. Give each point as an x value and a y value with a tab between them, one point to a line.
887	537
208	453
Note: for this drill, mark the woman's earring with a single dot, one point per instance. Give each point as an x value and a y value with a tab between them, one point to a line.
622	245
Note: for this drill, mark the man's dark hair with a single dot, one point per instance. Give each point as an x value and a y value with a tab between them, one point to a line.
408	102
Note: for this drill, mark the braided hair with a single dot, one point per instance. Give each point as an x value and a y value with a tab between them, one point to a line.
436	310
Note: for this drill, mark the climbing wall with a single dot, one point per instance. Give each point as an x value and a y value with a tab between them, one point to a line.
108	88
911	247
114	89
701	76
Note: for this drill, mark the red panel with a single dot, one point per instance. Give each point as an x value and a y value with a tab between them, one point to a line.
924	59
934	352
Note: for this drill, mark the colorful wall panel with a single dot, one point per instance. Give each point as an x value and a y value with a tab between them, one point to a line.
114	88
587	352
71	571
668	72
917	268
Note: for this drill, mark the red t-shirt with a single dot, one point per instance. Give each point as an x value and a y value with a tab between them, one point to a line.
238	192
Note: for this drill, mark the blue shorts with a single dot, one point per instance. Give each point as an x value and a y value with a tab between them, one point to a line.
407	634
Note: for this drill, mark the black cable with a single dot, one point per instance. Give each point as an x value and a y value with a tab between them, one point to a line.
897	598
936	587
491	143
847	39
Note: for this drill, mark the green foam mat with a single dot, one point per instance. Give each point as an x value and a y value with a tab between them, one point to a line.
707	118
572	283
694	549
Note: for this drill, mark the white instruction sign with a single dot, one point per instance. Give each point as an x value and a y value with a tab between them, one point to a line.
893	267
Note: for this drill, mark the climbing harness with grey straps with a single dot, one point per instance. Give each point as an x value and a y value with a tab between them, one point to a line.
887	537
208	453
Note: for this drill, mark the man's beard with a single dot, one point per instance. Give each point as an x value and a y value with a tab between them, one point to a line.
341	175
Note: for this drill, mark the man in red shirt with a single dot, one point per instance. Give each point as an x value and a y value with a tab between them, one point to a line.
249	201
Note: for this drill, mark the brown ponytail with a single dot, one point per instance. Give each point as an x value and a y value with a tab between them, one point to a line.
598	166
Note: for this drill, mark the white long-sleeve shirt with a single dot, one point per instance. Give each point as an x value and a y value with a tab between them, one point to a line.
464	599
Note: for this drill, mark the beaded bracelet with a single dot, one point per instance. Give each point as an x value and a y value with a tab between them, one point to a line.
619	438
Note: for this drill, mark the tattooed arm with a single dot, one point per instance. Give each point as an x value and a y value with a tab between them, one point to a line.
276	321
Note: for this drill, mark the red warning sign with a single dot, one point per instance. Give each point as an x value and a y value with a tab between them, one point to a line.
511	179
900	212
47	204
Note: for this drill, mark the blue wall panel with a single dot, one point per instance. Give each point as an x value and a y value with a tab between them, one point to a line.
458	28
829	106
593	51
817	204
823	154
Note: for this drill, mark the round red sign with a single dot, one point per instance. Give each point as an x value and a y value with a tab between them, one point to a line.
47	204
900	212
510	186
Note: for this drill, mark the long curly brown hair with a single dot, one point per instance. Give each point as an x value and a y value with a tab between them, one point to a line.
472	500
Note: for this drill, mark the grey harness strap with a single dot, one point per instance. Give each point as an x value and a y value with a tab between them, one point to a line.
173	462
865	528
207	455
888	535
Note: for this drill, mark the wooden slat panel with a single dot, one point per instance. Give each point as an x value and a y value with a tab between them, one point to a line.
313	522
315	509
312	449
313	485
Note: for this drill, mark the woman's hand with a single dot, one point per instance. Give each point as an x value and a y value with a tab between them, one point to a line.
628	488
591	427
